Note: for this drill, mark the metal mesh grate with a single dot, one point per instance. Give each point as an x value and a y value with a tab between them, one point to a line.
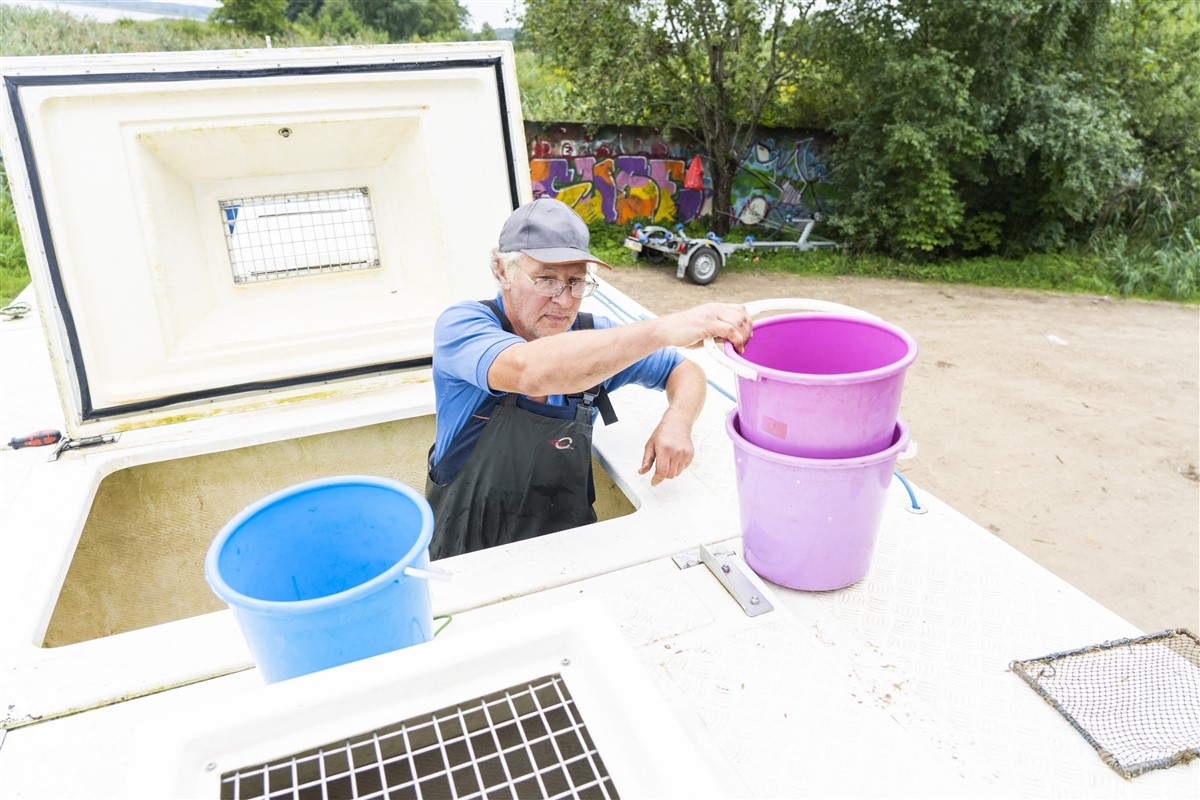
286	235
1137	701
524	741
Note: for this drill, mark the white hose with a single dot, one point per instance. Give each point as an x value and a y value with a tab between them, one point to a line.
756	307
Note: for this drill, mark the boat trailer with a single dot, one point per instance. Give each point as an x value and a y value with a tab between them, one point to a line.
700	259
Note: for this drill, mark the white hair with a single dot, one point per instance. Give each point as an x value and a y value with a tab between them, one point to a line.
508	260
512	259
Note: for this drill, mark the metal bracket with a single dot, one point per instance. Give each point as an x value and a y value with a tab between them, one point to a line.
730	576
88	441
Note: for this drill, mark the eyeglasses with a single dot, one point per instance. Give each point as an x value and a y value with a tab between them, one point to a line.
553	287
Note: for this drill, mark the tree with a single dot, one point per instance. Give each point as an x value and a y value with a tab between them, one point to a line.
708	67
259	17
406	20
1152	62
971	126
298	8
330	19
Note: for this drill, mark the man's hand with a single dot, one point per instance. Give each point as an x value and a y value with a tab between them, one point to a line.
669	450
723	321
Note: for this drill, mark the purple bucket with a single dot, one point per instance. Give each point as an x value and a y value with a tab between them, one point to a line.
822	385
811	523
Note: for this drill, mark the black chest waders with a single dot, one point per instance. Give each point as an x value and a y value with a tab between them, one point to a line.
529	473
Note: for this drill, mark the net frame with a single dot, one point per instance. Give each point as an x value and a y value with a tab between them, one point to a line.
1144	714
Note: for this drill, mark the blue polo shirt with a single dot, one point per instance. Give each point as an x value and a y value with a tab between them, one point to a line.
467	338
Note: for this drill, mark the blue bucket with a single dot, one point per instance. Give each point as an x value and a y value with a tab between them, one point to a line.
326	572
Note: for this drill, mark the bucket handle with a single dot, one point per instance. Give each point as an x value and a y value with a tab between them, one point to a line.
429	573
756	307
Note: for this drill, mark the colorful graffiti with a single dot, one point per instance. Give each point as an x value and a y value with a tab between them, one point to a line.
777	183
622	174
619	189
616	174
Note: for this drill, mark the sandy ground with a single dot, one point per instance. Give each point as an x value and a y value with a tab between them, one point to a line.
1068	425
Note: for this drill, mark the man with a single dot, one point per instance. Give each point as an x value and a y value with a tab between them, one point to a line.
518	385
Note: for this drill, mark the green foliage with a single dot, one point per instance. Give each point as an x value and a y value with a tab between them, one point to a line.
14	274
804	100
1151	60
903	150
257	17
1156	255
325	20
608	242
414	20
1164	272
545	90
31	32
26	31
303	8
1148	231
972	126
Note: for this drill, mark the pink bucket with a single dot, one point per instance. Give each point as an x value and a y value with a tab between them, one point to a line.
811	523
823	385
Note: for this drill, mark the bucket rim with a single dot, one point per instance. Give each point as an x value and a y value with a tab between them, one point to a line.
841	378
241	601
900	440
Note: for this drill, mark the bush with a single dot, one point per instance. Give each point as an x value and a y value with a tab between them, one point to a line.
14	274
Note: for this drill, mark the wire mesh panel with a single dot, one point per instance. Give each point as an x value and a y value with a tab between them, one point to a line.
1137	701
527	741
285	235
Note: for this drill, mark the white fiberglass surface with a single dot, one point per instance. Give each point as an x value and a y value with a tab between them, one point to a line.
133	178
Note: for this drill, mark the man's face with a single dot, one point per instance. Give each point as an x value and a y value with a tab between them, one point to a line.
534	315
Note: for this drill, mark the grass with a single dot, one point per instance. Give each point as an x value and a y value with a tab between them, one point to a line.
34	32
14	273
1057	272
1074	271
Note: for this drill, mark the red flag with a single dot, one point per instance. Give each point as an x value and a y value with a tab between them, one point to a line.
694	179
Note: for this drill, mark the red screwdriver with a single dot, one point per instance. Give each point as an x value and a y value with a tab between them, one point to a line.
39	439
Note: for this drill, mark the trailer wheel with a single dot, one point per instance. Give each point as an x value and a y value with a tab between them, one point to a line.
649	254
653	254
703	266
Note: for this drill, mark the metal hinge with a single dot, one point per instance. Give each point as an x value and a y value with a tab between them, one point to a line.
730	576
87	441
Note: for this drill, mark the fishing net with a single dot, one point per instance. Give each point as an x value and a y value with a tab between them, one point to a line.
1137	701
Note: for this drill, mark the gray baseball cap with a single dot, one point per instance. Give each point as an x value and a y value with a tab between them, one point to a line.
548	230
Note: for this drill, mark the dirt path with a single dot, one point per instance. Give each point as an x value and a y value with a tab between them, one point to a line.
1068	425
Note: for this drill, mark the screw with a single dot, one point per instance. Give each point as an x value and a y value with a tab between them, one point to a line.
753	599
566	662
285	132
210	766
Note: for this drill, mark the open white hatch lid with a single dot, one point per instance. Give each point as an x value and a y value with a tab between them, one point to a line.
204	225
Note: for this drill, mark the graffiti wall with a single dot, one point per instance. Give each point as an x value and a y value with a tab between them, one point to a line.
623	174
